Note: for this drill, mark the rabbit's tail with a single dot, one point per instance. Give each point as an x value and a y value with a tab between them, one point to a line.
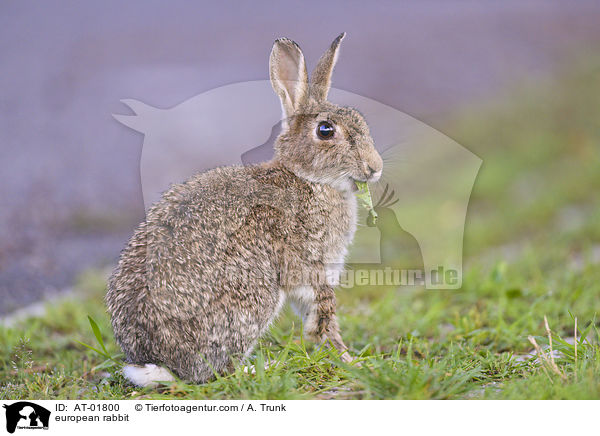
147	375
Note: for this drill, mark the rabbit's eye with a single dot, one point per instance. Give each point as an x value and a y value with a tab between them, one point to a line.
325	130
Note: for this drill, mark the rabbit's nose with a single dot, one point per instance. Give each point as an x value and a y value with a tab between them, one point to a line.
373	174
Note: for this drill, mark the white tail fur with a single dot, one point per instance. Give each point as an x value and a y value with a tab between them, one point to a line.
147	375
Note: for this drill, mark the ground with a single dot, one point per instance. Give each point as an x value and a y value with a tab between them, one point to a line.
532	248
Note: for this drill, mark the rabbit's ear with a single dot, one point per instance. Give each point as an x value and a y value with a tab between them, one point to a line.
289	78
321	77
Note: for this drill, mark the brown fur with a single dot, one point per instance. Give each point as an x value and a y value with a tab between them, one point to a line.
208	271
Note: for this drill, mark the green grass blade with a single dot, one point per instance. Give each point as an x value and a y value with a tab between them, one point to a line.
90	347
98	335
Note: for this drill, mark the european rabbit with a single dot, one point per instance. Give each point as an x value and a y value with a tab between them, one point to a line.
210	268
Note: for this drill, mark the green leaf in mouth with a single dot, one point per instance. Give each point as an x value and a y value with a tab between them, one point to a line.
364	196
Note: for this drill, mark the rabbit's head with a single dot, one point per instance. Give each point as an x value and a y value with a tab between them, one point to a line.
320	141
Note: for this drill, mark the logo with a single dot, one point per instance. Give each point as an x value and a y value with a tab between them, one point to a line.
26	415
421	198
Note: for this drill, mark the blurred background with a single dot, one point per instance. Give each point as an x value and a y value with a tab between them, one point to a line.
516	82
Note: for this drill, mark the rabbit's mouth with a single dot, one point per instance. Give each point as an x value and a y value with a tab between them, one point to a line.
371	177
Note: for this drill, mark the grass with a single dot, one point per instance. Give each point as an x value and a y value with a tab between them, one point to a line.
531	246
